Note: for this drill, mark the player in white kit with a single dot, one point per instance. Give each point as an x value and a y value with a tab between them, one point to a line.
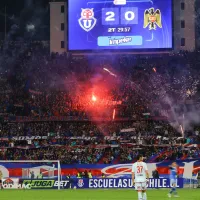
140	177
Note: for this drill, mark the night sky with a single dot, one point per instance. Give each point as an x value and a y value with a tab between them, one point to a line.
23	12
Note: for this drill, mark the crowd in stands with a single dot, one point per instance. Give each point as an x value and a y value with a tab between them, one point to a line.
109	155
87	142
84	109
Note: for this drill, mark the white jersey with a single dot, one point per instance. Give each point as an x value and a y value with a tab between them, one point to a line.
139	169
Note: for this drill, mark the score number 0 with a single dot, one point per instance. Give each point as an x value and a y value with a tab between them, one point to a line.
111	16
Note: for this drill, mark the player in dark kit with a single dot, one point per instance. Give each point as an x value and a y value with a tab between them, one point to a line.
173	179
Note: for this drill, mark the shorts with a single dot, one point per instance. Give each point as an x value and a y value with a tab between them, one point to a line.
0	181
140	186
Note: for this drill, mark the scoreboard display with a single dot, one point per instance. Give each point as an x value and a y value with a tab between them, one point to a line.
119	24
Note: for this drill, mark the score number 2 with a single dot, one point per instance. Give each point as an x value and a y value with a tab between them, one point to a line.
110	16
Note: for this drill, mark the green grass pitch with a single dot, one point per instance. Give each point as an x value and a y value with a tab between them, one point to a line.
185	194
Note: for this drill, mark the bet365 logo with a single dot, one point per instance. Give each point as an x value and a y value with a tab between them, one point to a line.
87	21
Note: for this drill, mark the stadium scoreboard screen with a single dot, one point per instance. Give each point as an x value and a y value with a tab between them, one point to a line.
119	25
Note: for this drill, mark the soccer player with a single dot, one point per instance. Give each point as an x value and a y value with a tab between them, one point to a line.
140	177
173	179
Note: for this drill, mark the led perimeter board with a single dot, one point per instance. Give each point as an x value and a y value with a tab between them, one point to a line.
119	25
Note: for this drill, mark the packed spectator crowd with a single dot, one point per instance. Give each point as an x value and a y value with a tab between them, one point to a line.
48	110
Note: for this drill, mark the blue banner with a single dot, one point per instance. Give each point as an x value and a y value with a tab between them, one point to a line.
94	183
115	183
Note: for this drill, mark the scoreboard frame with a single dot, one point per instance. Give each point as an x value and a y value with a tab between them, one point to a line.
103	51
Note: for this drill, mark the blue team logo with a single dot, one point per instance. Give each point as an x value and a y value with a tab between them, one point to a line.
87	20
80	183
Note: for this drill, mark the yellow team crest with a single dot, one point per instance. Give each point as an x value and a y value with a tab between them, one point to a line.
152	19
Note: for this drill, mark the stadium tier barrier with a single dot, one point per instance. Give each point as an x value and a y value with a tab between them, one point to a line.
187	168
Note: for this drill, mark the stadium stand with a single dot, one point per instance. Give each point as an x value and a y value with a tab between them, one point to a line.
47	112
